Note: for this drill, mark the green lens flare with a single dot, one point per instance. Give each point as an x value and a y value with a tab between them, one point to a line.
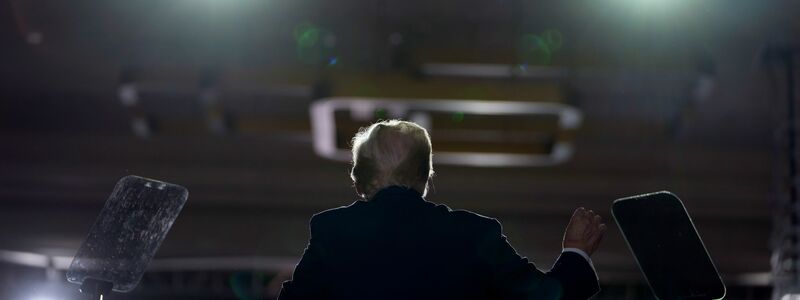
380	114
457	117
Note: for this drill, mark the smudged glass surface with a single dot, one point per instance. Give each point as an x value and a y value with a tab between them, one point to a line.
128	232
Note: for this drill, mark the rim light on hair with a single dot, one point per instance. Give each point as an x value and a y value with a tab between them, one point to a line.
391	153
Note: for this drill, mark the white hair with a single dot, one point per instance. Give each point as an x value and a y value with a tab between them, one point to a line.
391	152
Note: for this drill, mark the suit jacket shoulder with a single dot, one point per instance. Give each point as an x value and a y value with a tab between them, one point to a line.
476	222
326	219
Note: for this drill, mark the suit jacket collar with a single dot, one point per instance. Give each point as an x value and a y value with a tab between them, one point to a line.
395	194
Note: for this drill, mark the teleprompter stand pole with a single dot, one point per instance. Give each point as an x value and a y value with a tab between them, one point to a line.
96	289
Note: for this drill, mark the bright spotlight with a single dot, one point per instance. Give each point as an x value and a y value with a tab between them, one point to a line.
659	4
43	297
667	9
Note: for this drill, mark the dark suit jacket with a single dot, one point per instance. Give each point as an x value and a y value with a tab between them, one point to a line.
399	246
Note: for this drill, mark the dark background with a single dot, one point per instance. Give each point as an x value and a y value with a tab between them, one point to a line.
638	70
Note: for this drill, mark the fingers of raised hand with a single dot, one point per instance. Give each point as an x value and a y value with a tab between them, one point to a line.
580	211
599	232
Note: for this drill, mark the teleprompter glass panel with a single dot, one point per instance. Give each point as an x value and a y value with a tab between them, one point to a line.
667	247
126	235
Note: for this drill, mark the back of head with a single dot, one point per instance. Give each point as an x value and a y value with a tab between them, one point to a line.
391	153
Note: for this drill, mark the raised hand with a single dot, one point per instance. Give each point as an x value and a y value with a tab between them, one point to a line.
584	231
